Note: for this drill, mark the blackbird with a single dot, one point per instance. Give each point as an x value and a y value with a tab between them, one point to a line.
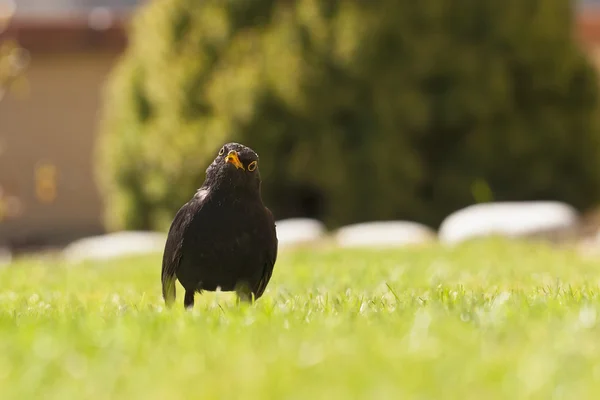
224	236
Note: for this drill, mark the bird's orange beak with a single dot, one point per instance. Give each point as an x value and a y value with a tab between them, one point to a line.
233	158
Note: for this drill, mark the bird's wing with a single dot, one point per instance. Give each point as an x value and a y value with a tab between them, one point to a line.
271	257
173	247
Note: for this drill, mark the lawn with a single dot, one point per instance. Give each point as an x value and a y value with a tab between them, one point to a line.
493	319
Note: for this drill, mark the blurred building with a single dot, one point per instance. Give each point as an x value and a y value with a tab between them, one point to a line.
588	28
47	191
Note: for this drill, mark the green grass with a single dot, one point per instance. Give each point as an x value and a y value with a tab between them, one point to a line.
493	319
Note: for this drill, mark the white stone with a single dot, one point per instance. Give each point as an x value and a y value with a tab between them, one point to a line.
384	234
299	231
549	219
112	245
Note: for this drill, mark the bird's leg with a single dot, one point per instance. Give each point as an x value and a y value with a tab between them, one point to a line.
243	292
188	300
244	296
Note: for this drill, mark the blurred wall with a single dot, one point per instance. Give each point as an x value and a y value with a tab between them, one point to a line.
48	194
588	32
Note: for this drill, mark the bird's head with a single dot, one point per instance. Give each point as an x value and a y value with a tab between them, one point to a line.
235	165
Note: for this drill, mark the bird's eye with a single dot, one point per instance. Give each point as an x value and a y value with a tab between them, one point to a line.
252	166
222	151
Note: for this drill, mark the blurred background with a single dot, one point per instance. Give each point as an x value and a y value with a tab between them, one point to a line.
110	110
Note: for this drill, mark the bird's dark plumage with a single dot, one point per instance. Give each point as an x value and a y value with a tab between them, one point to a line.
224	237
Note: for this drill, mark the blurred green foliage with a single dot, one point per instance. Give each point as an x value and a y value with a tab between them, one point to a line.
359	109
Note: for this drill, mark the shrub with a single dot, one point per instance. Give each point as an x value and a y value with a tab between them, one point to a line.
359	110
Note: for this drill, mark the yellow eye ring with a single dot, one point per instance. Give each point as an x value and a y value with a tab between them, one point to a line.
222	151
252	166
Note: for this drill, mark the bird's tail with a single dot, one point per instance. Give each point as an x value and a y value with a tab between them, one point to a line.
168	287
